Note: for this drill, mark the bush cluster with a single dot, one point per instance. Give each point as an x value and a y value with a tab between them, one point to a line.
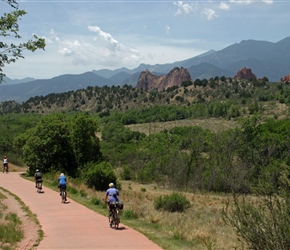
99	175
174	202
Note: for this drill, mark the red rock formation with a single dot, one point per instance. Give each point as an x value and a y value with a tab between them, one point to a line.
174	78
285	79
245	73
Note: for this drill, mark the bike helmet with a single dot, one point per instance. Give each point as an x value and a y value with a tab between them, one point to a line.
37	170
5	156
111	185
61	174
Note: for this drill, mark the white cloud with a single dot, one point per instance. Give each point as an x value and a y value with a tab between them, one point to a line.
188	8
65	51
185	8
267	1
106	36
251	1
102	49
114	52
167	28
208	8
241	1
210	13
224	6
53	35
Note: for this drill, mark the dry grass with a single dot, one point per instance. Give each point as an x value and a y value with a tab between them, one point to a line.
200	227
213	124
14	168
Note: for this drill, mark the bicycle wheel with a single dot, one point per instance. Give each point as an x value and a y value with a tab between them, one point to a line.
110	218
115	222
62	196
117	219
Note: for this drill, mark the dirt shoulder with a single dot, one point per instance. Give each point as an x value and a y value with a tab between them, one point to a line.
30	226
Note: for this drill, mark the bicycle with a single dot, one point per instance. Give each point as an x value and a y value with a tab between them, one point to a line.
114	215
39	186
63	194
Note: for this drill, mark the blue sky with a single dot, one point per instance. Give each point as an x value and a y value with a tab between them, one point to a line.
90	35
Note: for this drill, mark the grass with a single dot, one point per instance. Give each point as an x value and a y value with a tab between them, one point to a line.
199	227
213	124
11	232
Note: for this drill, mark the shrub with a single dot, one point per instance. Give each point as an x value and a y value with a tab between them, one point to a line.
95	201
83	193
72	190
99	175
172	203
129	214
126	173
264	226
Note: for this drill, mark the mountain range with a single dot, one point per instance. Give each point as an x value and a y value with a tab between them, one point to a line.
265	59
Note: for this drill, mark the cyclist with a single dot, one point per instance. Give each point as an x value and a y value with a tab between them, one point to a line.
112	195
5	164
37	177
62	183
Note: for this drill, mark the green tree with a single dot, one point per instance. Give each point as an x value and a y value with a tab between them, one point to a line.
10	52
116	133
59	143
85	143
47	146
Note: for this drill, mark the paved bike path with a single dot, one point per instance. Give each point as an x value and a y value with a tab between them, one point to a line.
72	225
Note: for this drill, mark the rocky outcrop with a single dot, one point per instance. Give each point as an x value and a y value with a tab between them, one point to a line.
175	77
246	74
148	81
285	79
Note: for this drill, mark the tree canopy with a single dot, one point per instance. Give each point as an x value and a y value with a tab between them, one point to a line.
60	143
11	52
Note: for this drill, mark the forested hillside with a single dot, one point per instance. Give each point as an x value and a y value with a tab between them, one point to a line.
216	97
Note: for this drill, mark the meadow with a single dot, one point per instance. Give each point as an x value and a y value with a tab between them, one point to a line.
199	227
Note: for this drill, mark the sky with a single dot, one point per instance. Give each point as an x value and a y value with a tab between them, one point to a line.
87	35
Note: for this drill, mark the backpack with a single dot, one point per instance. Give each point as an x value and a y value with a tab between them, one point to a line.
121	205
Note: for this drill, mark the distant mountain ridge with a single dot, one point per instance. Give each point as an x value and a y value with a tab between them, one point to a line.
265	59
64	83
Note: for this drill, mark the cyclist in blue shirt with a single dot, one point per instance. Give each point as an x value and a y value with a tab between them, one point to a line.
62	183
112	195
